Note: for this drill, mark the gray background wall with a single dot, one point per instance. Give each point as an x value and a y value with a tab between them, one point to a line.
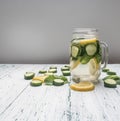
39	31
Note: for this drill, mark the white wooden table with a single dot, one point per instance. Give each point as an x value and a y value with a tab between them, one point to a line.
21	102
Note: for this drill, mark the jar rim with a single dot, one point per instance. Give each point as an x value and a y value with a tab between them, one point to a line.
77	30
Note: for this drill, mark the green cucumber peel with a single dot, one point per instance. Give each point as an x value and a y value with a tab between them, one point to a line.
91	49
105	70
85	59
111	73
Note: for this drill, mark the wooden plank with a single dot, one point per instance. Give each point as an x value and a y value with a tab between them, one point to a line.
48	103
12	83
44	103
102	104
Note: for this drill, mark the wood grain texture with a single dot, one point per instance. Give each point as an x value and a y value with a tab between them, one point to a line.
21	102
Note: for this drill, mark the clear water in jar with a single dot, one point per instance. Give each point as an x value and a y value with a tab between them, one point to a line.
85	60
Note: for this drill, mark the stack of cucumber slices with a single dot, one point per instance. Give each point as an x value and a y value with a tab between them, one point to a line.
112	79
65	70
82	51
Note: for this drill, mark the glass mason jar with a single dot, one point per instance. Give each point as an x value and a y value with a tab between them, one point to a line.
87	53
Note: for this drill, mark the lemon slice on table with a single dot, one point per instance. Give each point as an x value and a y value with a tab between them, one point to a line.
93	66
40	78
87	41
83	86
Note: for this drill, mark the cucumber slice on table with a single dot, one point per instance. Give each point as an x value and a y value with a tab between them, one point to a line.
53	67
111	73
105	70
52	70
42	71
118	81
35	83
115	77
110	83
66	73
91	49
58	82
29	75
62	78
65	68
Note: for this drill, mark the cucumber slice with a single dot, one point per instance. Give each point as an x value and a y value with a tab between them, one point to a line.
111	73
52	71
42	71
98	58
91	49
58	82
36	83
62	78
29	75
66	73
115	77
65	68
75	51
110	83
99	49
53	67
105	70
118	82
85	59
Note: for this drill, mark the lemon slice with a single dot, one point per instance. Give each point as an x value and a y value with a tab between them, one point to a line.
87	41
93	66
83	86
40	78
74	63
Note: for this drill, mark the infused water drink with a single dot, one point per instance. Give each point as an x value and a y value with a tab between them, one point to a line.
85	56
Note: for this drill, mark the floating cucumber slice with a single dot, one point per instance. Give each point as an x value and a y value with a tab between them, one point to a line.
29	75
91	49
74	51
98	58
110	83
58	82
85	59
99	49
